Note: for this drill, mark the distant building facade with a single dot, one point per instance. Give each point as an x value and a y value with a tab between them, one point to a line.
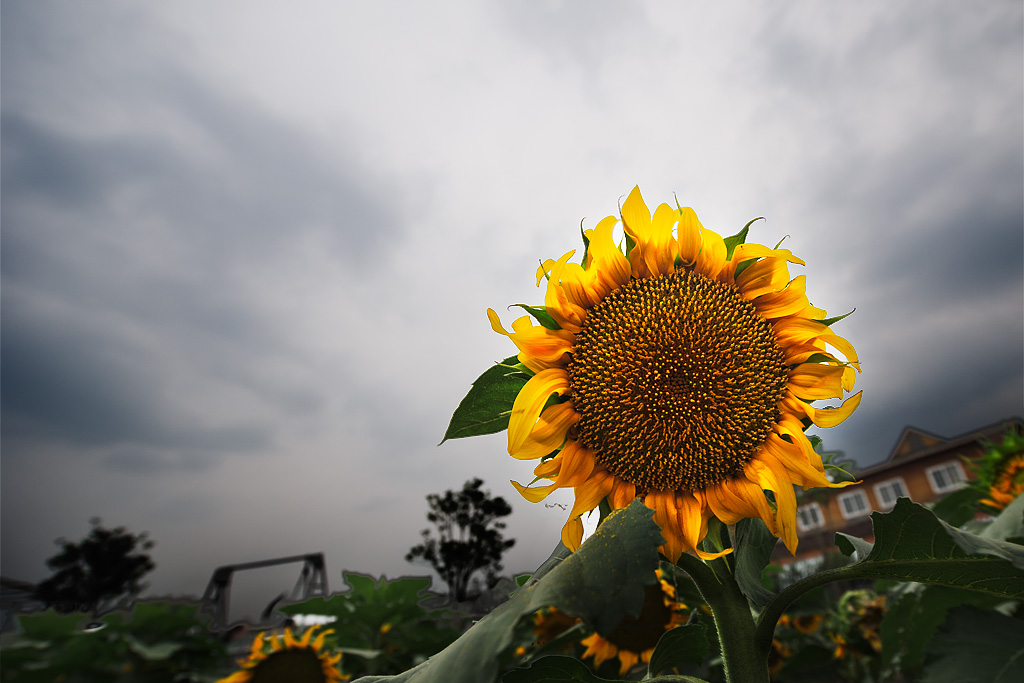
922	466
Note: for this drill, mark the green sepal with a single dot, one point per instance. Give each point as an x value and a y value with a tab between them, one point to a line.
743	265
541	315
487	407
835	319
586	245
739	238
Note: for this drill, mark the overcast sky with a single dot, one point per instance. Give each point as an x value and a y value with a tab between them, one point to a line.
247	248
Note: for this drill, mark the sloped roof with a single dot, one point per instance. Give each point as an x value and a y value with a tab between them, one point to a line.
914	444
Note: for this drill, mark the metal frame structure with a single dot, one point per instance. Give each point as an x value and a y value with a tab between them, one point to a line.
312	581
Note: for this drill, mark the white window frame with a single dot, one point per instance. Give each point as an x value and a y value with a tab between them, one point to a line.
817	511
954	464
859	494
882	504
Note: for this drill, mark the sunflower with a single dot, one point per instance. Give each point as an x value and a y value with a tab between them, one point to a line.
1007	484
634	638
293	661
680	371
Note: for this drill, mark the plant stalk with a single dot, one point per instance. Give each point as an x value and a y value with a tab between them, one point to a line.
744	661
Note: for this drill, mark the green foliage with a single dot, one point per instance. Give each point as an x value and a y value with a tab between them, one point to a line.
488	405
754	546
381	626
599	583
469	536
977	646
541	315
685	644
154	642
90	574
911	544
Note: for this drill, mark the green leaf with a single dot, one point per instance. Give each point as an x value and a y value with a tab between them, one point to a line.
848	545
912	618
687	643
739	238
957	508
599	583
155	652
488	405
754	546
556	669
912	544
977	646
541	315
1008	524
834	320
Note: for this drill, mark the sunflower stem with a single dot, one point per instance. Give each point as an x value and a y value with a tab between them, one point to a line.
744	661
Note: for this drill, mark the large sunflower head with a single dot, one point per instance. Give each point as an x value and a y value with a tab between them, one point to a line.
634	639
289	661
680	369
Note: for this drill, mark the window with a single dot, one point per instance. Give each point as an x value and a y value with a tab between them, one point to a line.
946	477
853	504
888	491
809	517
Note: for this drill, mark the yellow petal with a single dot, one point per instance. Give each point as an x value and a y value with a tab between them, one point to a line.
775	479
737	498
549	432
690	233
711	260
529	402
748	250
539	347
830	417
813	381
763	277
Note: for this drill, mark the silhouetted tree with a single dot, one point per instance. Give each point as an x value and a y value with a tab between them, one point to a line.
105	565
469	537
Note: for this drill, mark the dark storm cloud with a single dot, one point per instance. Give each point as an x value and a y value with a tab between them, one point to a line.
920	176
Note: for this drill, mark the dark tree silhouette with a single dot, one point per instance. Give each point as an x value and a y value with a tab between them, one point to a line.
105	565
469	537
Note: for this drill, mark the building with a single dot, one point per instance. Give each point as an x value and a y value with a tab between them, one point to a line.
922	466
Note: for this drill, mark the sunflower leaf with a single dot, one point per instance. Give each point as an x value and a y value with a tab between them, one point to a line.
686	643
541	315
976	645
488	405
554	669
912	544
914	615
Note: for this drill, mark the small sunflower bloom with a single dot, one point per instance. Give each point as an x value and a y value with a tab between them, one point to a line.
289	660
683	372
